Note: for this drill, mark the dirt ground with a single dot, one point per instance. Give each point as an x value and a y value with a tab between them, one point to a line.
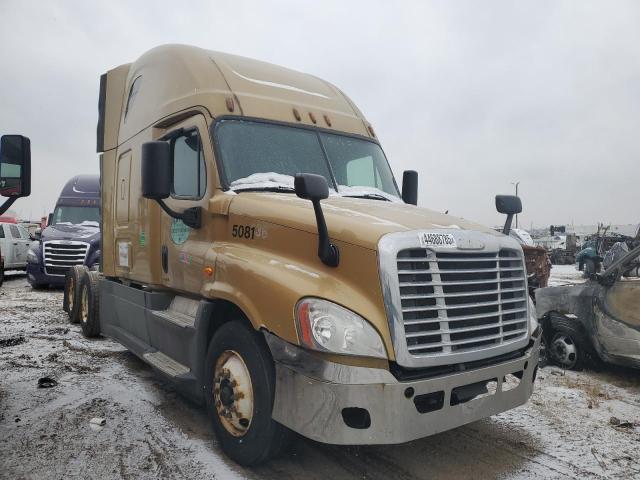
565	431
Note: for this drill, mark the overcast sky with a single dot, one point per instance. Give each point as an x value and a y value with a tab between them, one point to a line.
474	95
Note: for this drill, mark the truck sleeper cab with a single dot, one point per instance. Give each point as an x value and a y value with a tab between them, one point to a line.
72	236
257	251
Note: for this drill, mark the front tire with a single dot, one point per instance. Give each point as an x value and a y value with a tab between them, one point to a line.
240	389
568	346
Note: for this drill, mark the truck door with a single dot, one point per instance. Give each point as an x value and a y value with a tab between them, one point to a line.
6	246
19	249
183	248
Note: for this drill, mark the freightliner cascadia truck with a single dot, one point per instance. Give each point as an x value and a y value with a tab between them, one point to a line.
257	251
72	236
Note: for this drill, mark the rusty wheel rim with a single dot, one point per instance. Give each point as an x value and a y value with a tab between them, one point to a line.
84	305
233	393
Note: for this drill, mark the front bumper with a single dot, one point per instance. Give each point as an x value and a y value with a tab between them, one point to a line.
37	276
319	399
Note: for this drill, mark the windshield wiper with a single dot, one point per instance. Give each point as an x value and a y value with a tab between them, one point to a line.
370	196
279	188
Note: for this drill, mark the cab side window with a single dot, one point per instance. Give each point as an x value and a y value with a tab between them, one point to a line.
15	233
189	171
1	231
24	233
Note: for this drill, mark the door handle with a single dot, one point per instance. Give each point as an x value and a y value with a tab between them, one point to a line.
165	259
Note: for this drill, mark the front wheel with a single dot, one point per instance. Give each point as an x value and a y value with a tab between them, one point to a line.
568	347
240	389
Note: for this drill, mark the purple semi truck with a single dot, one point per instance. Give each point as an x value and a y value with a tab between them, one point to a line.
72	236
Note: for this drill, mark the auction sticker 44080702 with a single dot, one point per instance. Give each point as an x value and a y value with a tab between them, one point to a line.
442	240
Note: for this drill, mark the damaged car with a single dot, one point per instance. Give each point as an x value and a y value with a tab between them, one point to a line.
595	320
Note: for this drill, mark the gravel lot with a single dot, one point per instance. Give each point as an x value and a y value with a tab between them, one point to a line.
565	431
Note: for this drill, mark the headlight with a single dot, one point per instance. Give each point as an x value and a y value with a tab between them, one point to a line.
327	327
32	257
533	319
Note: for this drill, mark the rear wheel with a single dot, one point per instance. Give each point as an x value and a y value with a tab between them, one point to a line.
240	389
89	306
70	302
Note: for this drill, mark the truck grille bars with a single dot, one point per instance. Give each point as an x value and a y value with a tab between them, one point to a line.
60	256
453	303
457	302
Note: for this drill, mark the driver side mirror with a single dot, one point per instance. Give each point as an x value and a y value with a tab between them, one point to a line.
157	177
156	170
15	166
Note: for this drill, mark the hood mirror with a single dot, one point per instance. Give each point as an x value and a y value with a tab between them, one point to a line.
510	205
410	187
315	188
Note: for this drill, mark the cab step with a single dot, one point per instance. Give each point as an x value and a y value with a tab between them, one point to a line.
181	312
166	364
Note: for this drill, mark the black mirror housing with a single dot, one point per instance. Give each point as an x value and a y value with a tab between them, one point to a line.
15	166
156	170
311	186
508	204
315	188
410	187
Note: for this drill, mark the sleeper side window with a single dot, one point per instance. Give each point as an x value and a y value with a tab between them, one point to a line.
133	92
189	171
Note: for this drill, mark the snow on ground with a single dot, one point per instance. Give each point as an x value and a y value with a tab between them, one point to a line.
565	275
565	431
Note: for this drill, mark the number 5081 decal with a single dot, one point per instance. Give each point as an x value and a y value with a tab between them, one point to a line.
250	232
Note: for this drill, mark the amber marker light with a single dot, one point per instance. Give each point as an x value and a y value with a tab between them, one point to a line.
312	117
327	120
230	104
207	271
296	114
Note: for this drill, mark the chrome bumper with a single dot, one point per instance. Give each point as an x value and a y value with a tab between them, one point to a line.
311	395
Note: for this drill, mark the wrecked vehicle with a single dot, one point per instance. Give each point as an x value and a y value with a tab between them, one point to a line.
595	320
257	252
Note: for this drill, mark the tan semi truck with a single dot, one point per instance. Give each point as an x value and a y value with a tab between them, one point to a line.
258	252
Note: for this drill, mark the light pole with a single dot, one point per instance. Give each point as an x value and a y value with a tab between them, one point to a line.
516	184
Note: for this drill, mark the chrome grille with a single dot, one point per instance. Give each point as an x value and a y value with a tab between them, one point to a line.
60	256
458	302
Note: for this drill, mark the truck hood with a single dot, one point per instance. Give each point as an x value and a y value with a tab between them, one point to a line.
63	231
353	220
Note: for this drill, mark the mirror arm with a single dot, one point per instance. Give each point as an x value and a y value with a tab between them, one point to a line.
327	251
507	224
192	217
5	206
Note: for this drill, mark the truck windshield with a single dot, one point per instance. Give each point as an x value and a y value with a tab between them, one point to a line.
263	156
76	215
